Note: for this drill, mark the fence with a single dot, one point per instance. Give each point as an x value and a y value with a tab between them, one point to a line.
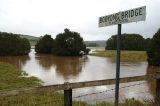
68	87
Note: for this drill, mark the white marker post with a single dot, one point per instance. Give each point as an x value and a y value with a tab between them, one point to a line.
128	16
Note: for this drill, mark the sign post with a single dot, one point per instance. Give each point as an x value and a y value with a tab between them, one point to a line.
128	16
118	65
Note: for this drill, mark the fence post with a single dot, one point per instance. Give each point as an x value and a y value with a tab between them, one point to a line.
158	88
68	97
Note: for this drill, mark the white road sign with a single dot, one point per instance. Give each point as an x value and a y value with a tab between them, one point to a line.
128	16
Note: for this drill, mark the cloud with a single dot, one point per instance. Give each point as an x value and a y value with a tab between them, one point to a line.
39	17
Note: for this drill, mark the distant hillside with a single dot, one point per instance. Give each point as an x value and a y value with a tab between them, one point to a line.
32	39
29	37
99	43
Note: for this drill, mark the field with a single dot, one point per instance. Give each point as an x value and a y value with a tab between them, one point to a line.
126	56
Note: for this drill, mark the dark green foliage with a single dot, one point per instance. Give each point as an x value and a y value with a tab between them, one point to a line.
65	44
154	50
12	44
128	42
87	51
45	44
68	44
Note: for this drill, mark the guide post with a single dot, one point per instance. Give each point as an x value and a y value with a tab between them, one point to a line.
128	16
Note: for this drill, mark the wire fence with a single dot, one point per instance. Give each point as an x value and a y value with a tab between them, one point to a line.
126	91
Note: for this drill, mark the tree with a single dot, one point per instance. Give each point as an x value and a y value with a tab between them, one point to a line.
128	42
153	52
45	44
111	43
25	45
12	44
68	44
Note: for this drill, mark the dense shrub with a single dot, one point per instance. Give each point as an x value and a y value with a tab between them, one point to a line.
128	42
12	44
153	52
67	43
45	44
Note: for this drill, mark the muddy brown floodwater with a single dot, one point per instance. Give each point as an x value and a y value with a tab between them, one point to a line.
57	70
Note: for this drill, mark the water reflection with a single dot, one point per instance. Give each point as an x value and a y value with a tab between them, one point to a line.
18	61
65	66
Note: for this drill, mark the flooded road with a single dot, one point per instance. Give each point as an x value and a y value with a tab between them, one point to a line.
57	70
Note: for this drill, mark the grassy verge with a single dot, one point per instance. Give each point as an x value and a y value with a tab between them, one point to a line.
11	78
126	56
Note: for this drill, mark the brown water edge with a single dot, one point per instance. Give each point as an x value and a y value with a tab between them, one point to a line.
55	70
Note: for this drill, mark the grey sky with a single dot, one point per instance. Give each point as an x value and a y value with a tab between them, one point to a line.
39	17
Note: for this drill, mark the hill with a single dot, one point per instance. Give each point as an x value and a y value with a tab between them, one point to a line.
98	43
32	39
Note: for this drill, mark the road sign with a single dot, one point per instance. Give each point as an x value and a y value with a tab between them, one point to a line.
128	16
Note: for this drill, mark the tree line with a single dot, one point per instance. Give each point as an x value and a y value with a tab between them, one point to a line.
137	42
68	43
128	42
12	44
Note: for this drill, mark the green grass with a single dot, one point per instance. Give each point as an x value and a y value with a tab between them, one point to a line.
126	56
51	98
11	78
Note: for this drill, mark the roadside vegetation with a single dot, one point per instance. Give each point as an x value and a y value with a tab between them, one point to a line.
126	56
52	98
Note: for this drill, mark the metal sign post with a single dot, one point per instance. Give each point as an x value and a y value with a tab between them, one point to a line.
128	16
118	65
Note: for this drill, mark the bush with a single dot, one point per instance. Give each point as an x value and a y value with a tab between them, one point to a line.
65	44
12	44
153	52
68	44
128	42
45	44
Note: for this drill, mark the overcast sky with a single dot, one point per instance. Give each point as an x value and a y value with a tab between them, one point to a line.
39	17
